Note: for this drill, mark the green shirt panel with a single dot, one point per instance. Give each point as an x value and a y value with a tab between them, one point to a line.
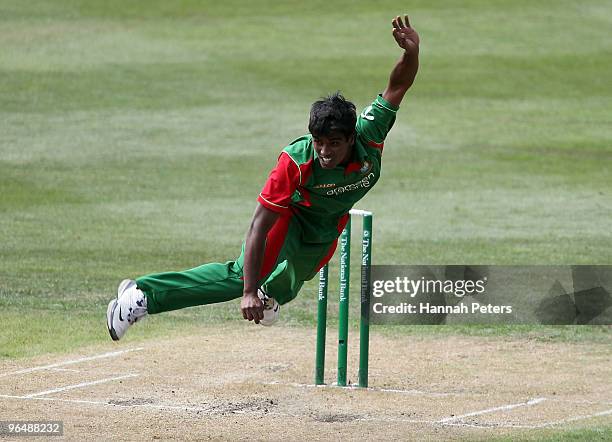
326	195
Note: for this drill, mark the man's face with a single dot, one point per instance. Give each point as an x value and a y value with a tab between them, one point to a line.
333	149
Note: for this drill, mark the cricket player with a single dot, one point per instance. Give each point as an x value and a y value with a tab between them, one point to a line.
301	211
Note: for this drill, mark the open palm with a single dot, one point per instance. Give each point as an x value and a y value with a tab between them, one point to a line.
406	37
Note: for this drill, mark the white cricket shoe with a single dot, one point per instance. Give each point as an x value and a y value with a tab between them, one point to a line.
271	309
129	307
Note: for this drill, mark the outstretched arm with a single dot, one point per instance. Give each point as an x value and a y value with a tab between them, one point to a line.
403	74
263	220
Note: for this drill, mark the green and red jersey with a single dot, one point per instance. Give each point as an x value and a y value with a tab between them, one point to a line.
321	198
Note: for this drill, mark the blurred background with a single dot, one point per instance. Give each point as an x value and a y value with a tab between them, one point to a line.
135	137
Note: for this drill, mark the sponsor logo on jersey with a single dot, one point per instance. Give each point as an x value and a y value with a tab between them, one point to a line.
324	186
365	114
365	182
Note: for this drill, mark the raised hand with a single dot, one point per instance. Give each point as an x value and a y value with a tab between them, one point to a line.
405	70
406	37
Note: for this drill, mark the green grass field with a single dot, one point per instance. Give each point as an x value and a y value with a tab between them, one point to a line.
135	137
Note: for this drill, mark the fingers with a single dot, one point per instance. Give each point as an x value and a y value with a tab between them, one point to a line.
252	311
399	24
257	314
253	314
397	34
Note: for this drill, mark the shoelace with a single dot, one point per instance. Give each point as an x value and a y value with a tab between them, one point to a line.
135	313
268	303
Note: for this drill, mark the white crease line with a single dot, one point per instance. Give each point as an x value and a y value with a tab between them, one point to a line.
71	362
463	424
83	384
491	410
534	426
354	388
421	392
171	407
576	418
72	370
581	401
203	409
112	404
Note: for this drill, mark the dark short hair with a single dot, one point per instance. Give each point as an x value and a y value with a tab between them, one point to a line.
333	113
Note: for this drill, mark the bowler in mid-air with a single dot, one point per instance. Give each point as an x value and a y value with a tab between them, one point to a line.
301	211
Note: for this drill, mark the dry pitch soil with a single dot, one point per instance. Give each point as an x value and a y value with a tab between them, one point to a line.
250	382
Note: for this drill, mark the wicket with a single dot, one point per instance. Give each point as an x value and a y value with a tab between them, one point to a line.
364	324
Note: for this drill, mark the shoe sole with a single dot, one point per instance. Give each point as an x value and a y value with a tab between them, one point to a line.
110	312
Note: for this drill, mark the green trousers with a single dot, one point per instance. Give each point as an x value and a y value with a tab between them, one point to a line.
288	263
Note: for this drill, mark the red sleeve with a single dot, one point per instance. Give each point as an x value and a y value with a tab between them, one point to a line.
281	183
